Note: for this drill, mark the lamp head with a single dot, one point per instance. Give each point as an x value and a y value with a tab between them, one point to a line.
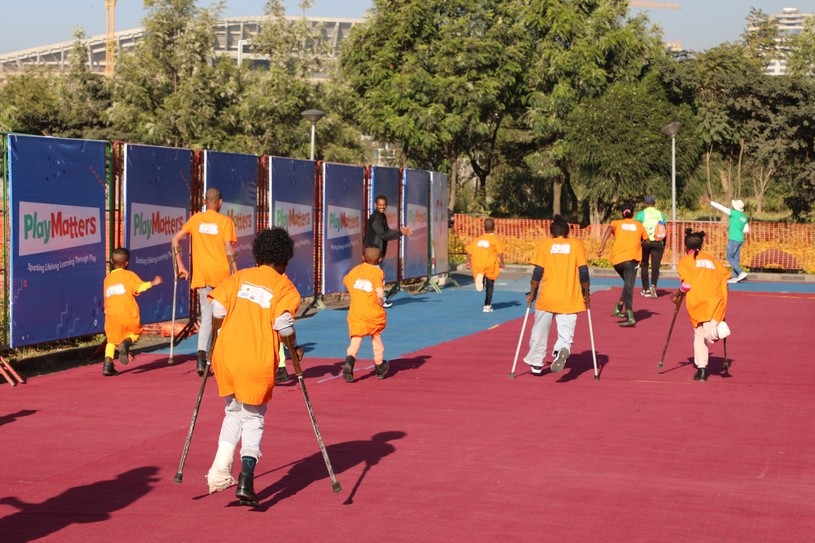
313	115
671	130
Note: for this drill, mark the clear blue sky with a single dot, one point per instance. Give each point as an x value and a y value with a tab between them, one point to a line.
699	25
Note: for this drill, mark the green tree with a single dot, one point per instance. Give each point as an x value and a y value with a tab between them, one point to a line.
622	155
29	103
441	77
801	58
165	90
581	49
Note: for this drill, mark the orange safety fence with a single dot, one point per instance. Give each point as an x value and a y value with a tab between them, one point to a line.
768	246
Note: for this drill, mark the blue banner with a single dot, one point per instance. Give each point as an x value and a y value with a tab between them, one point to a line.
157	204
343	199
57	219
438	195
415	208
385	182
236	176
292	186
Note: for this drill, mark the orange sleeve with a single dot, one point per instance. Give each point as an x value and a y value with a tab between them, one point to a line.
229	231
347	280
471	246
189	226
500	244
539	258
580	254
288	299
224	292
379	280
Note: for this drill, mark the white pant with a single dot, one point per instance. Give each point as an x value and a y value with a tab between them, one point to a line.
205	324
243	423
540	335
706	332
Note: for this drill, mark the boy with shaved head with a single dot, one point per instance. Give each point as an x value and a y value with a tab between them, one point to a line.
485	255
122	318
366	317
213	259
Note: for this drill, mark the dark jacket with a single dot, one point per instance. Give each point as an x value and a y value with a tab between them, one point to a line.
379	233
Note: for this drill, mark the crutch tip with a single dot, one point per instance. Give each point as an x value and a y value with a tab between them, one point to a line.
512	375
596	377
335	486
170	361
178	477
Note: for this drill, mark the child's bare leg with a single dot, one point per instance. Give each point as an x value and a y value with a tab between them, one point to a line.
353	348
382	366
700	351
379	349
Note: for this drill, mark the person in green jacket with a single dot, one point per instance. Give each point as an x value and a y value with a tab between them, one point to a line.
654	222
739	225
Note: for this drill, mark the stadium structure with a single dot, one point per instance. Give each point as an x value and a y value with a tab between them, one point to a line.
233	37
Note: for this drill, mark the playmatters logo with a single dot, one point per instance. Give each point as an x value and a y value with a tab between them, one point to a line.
416	216
48	227
295	218
242	216
343	221
154	225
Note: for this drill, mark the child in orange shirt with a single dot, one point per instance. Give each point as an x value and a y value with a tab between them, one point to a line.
485	255
122	318
560	263
366	317
253	309
626	255
704	281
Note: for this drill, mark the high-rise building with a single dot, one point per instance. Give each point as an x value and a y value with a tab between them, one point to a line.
790	22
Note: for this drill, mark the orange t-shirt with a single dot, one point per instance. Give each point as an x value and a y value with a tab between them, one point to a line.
209	231
560	289
628	236
707	298
122	316
246	352
365	317
485	250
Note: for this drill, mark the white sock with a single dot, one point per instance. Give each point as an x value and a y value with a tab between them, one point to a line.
219	476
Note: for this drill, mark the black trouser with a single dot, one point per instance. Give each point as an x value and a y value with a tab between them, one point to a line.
654	250
628	271
489	284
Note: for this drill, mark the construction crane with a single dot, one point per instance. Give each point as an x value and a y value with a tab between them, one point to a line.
663	5
110	38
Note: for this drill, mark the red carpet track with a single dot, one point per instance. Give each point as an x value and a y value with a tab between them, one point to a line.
447	448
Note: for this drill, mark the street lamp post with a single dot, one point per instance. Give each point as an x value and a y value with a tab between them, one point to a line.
313	115
671	130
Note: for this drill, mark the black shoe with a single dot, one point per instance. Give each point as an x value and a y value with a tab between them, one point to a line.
124	351
108	369
701	375
560	360
202	364
282	375
382	369
348	369
246	489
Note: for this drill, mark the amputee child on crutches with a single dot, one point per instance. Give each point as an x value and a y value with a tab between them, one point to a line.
256	306
560	264
704	282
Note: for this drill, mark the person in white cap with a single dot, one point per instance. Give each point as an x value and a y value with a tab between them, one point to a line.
738	226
